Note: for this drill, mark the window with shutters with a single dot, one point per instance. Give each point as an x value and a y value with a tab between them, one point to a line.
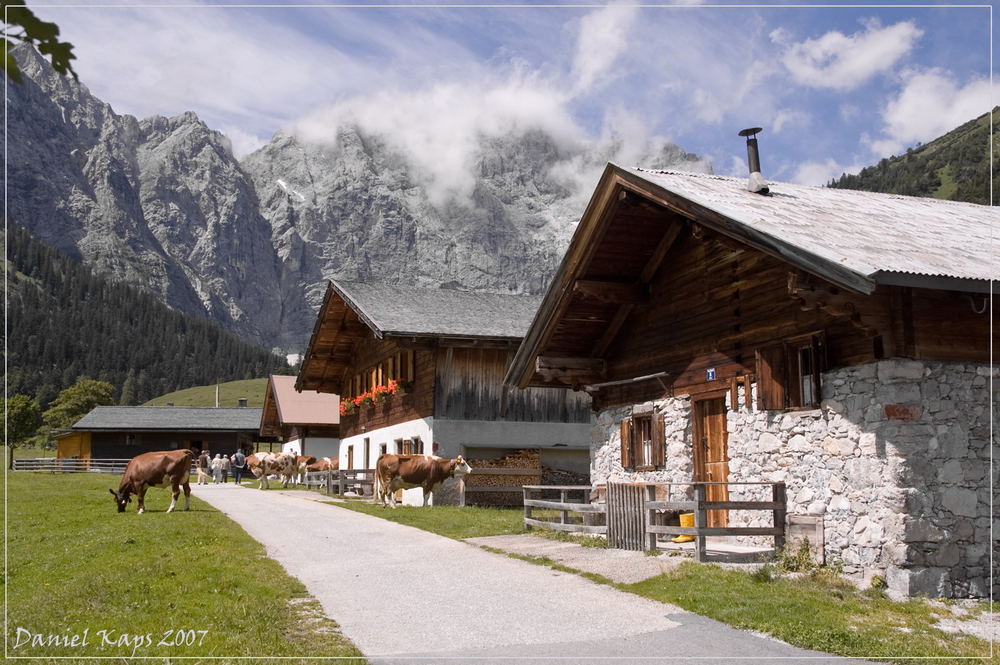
788	373
643	444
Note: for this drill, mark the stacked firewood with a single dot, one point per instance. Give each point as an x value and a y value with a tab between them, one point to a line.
521	459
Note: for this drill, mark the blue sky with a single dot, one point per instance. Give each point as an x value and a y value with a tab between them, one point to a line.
836	88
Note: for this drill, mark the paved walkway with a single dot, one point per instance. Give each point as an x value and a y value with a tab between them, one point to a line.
406	596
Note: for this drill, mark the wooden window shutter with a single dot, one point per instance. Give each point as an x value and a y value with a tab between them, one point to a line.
771	377
659	440
627	443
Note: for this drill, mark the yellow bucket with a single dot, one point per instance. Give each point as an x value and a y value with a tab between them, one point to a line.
687	519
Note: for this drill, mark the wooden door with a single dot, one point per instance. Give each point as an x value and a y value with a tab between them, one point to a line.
711	453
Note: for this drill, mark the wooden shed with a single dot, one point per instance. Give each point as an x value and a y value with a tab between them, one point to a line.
834	340
420	370
119	432
306	422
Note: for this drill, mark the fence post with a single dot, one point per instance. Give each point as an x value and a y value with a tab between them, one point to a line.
778	496
341	481
563	514
699	521
527	508
650	521
329	482
461	491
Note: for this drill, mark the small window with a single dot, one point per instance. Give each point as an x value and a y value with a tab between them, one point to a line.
350	457
399	446
788	373
368	453
643	445
130	440
407	447
383	449
418	446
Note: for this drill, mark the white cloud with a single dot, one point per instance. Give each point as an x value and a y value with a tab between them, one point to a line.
789	117
603	37
930	104
439	128
243	143
843	62
820	173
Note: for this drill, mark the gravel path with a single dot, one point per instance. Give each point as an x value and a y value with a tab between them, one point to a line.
405	596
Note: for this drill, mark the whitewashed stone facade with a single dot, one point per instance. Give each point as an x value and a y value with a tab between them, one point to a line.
896	461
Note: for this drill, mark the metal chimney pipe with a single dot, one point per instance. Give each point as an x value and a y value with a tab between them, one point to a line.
756	183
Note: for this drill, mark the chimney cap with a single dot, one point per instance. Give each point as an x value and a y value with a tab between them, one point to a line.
750	131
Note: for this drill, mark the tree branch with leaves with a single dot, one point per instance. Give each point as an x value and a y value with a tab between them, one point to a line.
21	25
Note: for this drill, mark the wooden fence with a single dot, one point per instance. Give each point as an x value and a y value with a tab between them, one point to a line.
343	480
564	506
75	465
631	511
777	506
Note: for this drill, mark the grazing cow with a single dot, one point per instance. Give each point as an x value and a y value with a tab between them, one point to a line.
262	465
302	463
393	472
325	464
164	468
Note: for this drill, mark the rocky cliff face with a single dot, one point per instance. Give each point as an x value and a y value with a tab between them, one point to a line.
162	203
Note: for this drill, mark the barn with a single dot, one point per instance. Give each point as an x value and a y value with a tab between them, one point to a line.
120	432
837	341
306	423
425	367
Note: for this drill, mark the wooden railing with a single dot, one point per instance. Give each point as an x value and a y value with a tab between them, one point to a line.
700	507
75	465
632	514
339	482
564	506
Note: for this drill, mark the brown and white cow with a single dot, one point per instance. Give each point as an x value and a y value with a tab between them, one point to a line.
164	468
393	472
302	463
324	464
262	465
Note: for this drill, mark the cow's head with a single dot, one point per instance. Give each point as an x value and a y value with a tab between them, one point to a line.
121	499
461	467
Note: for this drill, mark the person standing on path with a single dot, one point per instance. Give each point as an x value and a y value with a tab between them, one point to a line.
203	463
239	464
225	469
217	469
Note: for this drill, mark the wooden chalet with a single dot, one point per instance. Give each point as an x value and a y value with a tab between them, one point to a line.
834	340
445	353
119	432
306	423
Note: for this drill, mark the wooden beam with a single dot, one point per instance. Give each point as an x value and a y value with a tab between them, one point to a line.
612	292
569	370
666	242
601	347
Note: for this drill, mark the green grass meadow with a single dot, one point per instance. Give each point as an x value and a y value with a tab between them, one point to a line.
229	394
185	584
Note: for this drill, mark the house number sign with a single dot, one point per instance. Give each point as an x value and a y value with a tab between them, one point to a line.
710	374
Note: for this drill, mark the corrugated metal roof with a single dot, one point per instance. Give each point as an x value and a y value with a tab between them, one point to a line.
304	408
187	418
406	310
865	232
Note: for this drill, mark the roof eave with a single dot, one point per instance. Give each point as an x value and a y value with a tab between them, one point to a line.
939	282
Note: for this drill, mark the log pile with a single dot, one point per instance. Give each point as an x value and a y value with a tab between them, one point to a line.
528	459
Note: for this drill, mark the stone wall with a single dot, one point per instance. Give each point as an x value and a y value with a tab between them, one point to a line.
895	461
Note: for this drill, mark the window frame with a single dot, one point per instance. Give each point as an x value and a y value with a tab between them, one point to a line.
779	375
633	449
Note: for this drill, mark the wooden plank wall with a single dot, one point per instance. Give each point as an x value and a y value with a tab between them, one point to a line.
469	386
713	304
417	403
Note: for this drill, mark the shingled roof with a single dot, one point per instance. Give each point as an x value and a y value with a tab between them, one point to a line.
170	418
395	310
880	238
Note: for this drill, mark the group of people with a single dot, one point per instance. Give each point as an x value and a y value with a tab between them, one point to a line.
218	468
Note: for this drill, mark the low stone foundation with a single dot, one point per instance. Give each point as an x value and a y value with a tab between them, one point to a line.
895	462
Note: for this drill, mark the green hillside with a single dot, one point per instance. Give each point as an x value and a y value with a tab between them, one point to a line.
229	393
65	321
955	166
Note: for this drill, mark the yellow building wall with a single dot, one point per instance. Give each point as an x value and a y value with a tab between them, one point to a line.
74	445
